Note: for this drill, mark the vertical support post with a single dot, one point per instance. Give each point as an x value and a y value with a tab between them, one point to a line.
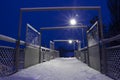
51	49
79	45
74	45
83	37
88	55
52	45
40	52
103	55
18	43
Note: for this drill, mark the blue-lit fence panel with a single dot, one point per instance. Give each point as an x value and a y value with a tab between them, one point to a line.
7	61
32	36
113	62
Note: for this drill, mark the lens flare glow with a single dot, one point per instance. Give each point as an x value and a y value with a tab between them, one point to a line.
70	41
73	22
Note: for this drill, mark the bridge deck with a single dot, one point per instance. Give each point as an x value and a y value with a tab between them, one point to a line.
59	69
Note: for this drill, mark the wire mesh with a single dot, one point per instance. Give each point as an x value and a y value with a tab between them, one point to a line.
32	36
113	62
7	61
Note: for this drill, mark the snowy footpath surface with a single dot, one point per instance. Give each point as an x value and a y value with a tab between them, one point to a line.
59	69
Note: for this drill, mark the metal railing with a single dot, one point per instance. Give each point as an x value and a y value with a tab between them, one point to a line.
111	65
8	56
112	57
48	54
82	54
34	52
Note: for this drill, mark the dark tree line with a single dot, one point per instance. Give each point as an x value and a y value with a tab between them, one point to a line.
114	25
114	8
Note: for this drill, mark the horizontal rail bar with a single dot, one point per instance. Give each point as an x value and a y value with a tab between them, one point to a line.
45	48
37	46
62	27
111	39
83	48
8	39
113	47
7	47
49	49
95	44
32	28
63	40
61	8
22	42
92	26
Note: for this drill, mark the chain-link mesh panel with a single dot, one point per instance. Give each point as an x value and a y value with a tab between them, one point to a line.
48	54
77	54
7	61
83	55
94	47
113	62
54	54
32	52
32	36
93	35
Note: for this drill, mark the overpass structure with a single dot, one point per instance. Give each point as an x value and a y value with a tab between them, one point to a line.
99	54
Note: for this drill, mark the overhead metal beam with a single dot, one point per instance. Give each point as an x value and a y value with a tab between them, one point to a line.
64	27
63	40
60	8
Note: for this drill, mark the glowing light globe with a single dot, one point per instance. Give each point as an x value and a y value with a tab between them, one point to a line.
70	41
73	22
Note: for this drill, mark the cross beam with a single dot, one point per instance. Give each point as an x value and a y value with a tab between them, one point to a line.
64	27
60	8
63	40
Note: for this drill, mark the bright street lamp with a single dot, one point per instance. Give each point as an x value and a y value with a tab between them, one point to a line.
73	22
70	41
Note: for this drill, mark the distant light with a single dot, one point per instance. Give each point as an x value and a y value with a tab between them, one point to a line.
77	15
70	41
73	22
77	41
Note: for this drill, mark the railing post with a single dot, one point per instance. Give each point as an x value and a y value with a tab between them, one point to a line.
17	55
18	42
40	52
103	58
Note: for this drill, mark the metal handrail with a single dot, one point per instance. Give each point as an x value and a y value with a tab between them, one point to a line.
92	26
113	47
32	28
10	39
83	48
117	37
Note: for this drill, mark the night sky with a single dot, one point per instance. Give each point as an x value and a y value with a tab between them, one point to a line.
9	18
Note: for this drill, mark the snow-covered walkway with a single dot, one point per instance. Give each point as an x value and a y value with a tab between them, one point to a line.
59	69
